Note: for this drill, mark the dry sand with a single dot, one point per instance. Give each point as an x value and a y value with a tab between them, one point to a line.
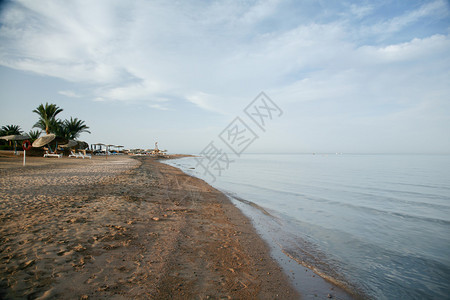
126	228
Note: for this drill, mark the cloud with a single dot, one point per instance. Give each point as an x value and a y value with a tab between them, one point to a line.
413	51
70	94
214	55
260	11
438	9
72	41
360	11
134	92
376	85
434	8
158	106
204	101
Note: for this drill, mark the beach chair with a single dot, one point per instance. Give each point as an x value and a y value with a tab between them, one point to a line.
48	154
86	155
76	155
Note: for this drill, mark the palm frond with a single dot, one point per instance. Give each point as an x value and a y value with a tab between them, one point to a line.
47	117
34	134
74	127
11	129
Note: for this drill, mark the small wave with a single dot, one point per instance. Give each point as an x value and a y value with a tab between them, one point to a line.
393	213
424	185
403	192
334	279
308	255
356	207
252	204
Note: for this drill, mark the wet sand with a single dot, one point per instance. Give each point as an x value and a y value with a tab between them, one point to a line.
126	228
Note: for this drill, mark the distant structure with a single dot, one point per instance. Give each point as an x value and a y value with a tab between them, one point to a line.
152	152
158	153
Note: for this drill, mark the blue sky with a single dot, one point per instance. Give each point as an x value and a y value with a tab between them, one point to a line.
350	76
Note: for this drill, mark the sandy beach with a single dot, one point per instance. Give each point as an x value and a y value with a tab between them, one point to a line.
126	228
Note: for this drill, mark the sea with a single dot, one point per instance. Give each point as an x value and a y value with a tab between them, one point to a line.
376	224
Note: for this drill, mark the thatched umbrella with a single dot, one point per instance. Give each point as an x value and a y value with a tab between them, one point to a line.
82	145
15	138
47	139
44	140
70	144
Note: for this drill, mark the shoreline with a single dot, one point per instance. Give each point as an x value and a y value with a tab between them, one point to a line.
307	280
128	228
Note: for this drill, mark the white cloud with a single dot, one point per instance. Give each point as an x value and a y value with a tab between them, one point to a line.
134	92
426	10
65	40
259	11
140	53
158	106
435	9
204	101
69	93
416	50
376	88
360	11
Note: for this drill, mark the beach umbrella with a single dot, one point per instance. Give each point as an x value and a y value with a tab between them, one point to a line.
107	149
70	144
15	138
101	146
82	145
98	144
110	147
46	139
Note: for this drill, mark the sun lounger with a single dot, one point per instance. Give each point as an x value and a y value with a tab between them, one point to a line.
87	155
76	155
47	154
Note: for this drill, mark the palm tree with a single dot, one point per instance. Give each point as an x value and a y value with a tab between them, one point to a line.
47	117
60	129
34	135
11	130
71	129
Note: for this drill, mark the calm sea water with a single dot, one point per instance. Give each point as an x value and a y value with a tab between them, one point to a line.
378	223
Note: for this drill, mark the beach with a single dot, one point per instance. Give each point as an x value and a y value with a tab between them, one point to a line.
126	228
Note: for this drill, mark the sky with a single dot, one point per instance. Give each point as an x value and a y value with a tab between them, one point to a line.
347	76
